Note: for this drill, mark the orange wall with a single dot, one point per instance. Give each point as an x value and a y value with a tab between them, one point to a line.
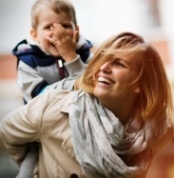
8	67
163	49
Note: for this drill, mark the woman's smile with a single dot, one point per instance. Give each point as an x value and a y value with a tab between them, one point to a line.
104	80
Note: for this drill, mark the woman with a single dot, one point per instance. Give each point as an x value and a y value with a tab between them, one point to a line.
111	126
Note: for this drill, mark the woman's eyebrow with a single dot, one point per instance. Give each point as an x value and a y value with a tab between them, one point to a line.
121	59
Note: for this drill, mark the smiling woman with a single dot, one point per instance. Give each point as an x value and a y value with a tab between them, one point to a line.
112	125
128	62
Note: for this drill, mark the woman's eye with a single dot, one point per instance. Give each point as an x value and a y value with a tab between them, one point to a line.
118	63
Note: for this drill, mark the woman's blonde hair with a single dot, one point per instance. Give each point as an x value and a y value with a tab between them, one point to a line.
155	98
57	6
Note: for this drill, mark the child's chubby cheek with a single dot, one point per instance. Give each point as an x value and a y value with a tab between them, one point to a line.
70	34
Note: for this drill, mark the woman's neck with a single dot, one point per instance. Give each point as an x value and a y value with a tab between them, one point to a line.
122	109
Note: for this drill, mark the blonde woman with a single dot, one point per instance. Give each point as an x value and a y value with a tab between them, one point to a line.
111	126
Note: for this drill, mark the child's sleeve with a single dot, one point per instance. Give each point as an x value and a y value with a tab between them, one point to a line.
75	69
29	81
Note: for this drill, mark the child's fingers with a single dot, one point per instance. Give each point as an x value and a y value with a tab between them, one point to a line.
55	25
59	32
52	39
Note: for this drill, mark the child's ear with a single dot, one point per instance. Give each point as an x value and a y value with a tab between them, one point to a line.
77	28
137	90
33	35
76	34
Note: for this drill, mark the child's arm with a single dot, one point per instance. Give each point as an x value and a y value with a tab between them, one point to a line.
29	81
75	69
67	49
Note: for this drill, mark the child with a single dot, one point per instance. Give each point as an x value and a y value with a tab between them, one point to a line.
44	63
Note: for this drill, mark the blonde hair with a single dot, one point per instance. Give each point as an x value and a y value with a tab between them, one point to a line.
155	98
57	6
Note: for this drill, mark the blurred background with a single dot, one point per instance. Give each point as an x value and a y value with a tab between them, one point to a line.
98	20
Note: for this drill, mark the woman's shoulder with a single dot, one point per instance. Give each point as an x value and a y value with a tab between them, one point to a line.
66	96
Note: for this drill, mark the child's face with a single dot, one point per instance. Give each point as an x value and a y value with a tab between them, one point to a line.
46	19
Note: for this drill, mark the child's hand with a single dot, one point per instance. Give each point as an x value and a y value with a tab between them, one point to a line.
64	43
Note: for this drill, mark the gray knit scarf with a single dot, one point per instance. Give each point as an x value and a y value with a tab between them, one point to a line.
100	140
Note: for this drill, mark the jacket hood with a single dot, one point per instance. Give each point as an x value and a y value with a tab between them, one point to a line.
24	48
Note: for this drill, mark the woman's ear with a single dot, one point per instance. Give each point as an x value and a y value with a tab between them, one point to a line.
33	34
137	90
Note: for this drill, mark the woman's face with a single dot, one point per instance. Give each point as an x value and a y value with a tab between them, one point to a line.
114	82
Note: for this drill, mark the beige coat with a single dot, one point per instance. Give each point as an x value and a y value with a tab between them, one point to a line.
45	120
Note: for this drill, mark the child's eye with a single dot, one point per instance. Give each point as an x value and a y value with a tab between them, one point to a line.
66	26
47	27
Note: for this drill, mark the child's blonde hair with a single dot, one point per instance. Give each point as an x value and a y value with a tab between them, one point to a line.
57	6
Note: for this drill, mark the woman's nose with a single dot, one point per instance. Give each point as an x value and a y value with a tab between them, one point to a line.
106	67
